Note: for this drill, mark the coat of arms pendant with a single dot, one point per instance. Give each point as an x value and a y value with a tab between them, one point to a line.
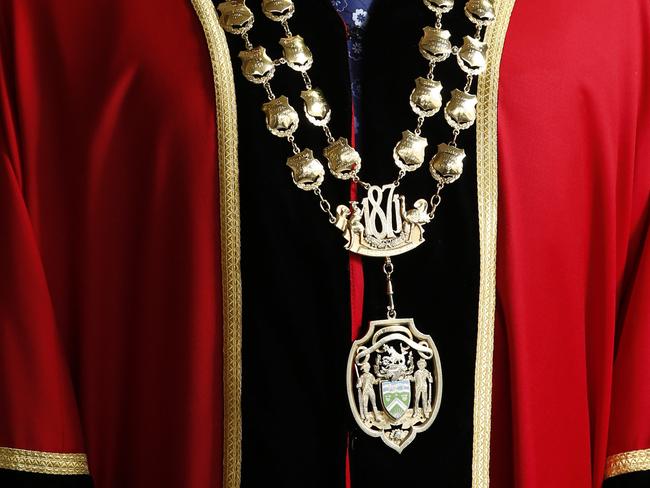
394	381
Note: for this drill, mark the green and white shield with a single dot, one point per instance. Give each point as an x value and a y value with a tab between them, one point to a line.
396	397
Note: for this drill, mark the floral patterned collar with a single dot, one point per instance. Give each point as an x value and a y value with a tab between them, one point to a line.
355	14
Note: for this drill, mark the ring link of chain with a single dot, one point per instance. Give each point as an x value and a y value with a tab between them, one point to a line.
294	147
391	313
359	181
435	201
325	205
400	175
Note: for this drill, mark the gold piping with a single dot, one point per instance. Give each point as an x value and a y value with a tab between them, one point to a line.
43	462
230	239
627	462
487	190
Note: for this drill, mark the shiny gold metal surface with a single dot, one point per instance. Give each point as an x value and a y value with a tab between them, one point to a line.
409	151
426	98
627	462
439	6
472	56
296	53
257	66
235	17
278	10
481	12
460	111
394	381
307	171
317	109
281	118
343	160
447	165
43	462
382	226
435	44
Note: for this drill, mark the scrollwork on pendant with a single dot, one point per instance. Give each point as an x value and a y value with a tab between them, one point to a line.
394	381
382	226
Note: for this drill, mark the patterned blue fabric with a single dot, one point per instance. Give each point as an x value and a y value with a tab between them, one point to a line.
355	14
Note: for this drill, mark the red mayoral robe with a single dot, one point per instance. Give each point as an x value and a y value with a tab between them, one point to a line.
159	329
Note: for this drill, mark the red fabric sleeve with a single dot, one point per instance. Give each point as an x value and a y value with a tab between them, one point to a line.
37	406
630	410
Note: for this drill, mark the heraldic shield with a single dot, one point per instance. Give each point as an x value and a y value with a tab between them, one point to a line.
394	381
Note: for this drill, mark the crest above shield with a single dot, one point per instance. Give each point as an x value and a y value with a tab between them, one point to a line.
394	381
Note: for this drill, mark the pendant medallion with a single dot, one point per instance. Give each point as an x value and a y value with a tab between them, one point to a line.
257	66
426	97
435	44
296	53
235	17
472	56
307	172
408	153
394	381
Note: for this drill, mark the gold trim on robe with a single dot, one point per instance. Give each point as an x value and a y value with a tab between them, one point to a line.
627	462
487	191
230	238
42	462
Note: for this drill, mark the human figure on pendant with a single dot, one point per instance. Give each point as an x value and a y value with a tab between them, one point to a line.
365	385
422	378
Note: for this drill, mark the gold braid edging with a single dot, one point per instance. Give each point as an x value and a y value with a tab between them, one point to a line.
230	239
627	462
487	190
43	462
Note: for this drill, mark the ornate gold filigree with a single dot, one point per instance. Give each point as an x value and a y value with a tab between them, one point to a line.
627	462
43	462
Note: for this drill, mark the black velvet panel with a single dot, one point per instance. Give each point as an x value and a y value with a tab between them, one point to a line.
640	479
295	270
296	302
436	284
19	479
